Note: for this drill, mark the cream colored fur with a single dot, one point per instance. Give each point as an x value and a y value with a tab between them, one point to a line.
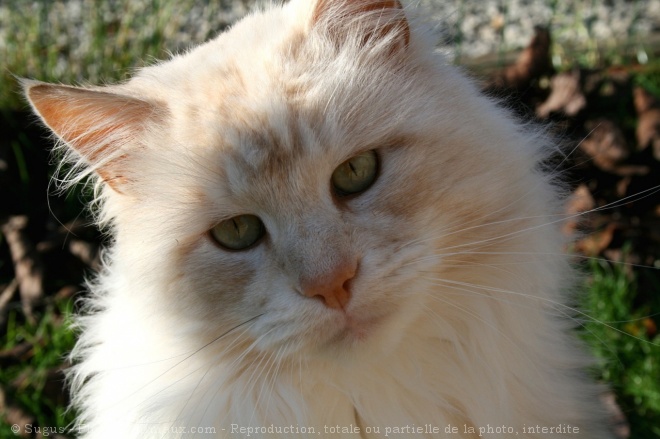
457	314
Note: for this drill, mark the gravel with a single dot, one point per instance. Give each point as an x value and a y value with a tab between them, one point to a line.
479	27
468	28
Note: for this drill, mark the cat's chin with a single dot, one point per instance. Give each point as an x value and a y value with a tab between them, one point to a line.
354	332
364	328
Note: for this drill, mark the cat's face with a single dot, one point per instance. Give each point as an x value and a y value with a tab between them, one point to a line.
304	180
274	138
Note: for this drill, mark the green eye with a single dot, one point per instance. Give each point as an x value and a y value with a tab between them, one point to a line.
239	232
355	175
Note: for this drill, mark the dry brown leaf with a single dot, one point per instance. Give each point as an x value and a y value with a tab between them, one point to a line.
19	353
619	422
87	252
595	243
8	292
579	202
605	144
27	264
14	415
566	96
532	63
648	125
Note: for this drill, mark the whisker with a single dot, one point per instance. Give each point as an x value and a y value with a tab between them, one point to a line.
273	378
189	353
560	312
251	381
438	256
266	378
211	365
476	316
550	301
559	167
186	358
263	372
503	208
562	217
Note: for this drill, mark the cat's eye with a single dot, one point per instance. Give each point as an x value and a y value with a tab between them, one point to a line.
356	174
239	232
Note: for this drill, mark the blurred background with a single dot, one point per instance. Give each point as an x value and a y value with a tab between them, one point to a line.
590	69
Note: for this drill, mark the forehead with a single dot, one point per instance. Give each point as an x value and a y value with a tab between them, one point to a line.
267	119
272	143
268	143
277	156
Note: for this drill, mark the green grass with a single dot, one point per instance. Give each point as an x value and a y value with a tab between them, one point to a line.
104	43
26	383
591	52
649	78
574	39
623	335
95	56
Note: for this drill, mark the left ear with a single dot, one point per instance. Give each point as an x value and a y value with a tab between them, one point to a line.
376	19
98	124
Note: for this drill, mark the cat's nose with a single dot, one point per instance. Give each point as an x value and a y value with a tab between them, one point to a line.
333	288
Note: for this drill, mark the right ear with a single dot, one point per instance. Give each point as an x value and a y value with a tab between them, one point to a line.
101	126
376	19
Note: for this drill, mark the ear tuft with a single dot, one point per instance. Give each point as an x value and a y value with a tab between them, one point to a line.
101	126
376	19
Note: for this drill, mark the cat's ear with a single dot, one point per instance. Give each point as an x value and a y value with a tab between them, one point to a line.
100	126
382	20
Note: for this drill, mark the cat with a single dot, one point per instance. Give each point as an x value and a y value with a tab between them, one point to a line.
321	228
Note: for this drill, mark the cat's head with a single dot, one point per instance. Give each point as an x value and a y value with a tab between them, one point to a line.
304	173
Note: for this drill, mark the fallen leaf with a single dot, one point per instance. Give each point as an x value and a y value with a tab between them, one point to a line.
27	264
532	63
605	144
579	202
648	124
595	243
565	98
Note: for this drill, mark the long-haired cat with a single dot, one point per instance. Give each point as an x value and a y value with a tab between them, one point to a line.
321	228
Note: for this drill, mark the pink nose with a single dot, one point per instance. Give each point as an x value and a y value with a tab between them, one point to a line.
333	288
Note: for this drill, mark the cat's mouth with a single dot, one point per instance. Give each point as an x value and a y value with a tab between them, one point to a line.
356	329
359	329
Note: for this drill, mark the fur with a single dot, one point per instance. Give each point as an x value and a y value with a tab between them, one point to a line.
457	313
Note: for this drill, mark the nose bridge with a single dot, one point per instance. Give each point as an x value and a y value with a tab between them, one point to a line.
320	259
320	244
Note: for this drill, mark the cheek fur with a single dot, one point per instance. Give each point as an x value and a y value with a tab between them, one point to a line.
213	282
